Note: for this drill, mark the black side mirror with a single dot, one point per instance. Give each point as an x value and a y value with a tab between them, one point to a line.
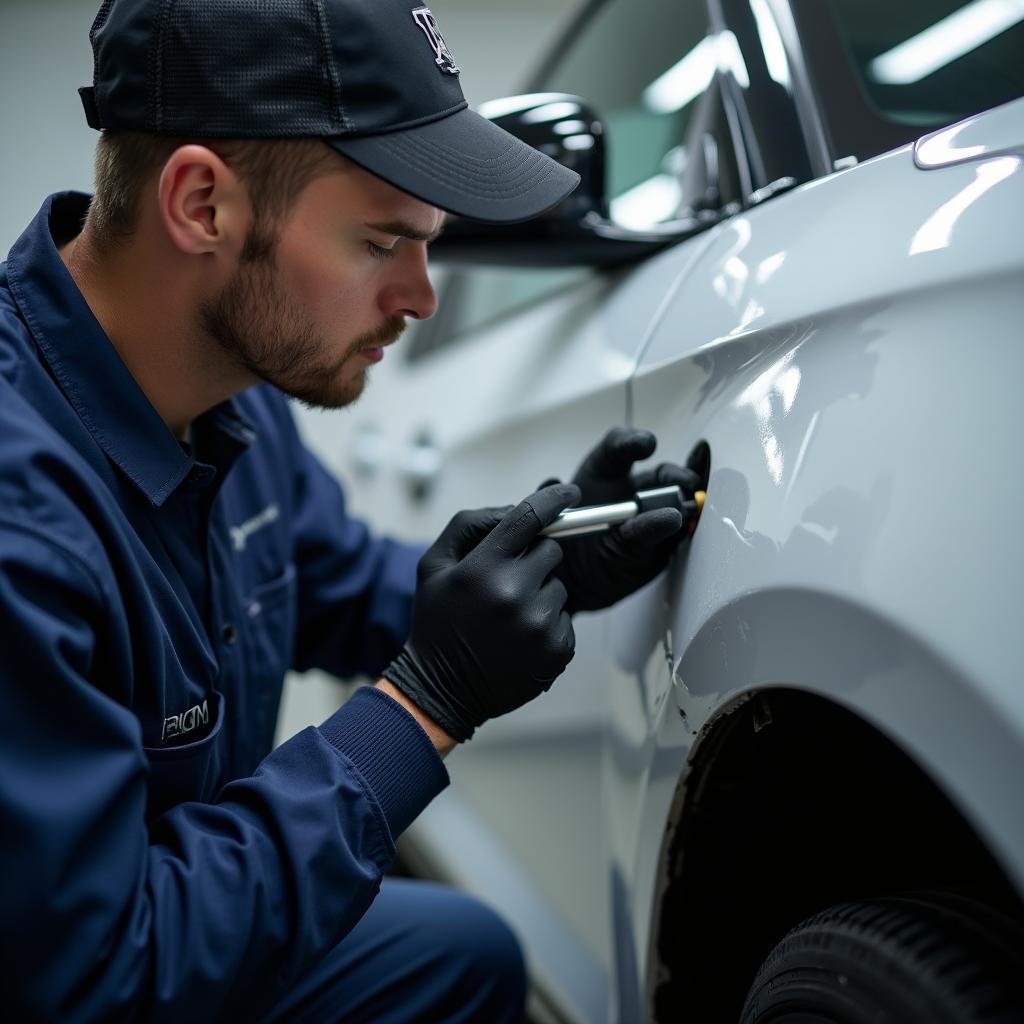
577	232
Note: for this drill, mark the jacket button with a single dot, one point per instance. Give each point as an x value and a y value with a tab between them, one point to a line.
228	633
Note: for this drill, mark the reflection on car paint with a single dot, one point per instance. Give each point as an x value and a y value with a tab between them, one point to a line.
935	232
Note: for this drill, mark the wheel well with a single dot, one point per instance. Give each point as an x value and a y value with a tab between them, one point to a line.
793	804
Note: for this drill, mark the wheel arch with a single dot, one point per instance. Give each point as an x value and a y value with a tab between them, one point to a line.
792	802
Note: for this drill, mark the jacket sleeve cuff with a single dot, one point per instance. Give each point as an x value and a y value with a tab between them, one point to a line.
390	751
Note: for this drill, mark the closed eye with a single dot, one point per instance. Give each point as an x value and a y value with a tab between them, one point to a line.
378	252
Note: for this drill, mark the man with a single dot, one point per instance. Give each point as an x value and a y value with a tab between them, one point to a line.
268	178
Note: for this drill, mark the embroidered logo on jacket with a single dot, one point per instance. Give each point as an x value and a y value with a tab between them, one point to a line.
442	55
178	725
240	534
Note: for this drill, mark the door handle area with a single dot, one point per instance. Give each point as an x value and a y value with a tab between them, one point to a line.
420	465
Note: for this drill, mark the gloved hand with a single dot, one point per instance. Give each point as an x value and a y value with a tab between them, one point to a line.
601	568
489	626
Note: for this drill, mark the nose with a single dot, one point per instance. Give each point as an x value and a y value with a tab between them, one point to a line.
410	293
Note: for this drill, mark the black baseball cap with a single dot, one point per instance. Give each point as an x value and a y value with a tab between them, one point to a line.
373	78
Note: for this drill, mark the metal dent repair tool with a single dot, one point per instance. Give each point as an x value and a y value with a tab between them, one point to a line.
574	522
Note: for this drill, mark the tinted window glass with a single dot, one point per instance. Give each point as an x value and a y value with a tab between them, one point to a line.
931	62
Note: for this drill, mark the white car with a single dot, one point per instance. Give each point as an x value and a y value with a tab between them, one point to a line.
798	258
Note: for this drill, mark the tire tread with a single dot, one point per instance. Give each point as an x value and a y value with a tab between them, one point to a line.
963	956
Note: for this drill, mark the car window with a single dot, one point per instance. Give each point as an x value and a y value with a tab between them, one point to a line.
643	65
931	62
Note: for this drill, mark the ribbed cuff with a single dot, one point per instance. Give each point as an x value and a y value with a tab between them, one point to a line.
391	752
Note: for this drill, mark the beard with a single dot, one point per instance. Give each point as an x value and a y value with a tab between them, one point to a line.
257	325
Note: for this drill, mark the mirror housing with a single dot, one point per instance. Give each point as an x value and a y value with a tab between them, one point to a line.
576	232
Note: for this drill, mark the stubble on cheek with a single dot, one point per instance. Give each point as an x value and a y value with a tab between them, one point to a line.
333	385
271	336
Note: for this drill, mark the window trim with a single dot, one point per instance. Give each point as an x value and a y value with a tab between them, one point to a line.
805	101
853	124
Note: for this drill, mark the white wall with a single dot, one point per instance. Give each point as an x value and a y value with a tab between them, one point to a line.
46	144
45	56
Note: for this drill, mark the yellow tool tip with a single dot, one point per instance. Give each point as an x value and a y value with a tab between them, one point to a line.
698	497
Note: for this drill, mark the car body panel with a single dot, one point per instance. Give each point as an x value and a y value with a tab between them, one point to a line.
843	350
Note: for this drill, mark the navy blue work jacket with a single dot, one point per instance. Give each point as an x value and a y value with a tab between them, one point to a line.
157	860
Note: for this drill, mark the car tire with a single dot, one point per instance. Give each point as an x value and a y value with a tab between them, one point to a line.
920	958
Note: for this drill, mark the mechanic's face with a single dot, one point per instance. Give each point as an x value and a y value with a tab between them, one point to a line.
313	311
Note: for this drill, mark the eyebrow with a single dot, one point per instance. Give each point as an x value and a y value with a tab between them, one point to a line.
403	230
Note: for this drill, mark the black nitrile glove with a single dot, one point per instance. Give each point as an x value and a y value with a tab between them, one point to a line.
601	568
489	626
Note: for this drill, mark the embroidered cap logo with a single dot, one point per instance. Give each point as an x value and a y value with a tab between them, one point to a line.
442	55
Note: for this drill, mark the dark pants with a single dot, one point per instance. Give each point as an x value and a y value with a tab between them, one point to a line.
422	952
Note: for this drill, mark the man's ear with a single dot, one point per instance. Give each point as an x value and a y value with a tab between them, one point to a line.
204	206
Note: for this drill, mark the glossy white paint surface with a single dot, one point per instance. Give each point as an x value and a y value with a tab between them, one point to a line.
851	352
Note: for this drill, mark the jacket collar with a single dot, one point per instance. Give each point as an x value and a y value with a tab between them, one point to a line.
88	368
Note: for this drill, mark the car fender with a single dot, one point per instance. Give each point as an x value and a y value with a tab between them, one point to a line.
856	376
